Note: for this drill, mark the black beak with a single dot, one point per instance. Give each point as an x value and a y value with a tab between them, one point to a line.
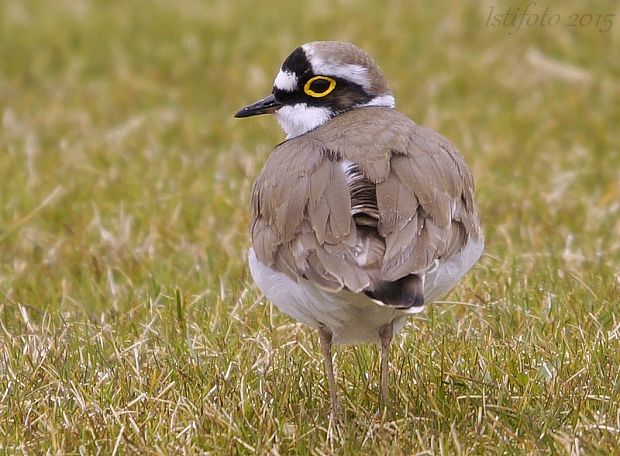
267	105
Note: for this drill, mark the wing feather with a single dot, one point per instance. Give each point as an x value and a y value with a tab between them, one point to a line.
397	204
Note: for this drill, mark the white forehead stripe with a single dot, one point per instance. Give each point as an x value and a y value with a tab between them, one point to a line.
354	73
349	71
285	80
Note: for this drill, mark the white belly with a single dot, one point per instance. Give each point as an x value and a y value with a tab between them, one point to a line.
354	317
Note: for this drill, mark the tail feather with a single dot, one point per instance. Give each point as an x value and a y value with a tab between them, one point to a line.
404	293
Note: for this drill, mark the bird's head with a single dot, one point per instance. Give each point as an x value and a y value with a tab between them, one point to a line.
318	81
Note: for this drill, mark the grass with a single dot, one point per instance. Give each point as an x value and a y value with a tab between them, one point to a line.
128	321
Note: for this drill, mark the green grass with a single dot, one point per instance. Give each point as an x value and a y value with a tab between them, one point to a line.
128	320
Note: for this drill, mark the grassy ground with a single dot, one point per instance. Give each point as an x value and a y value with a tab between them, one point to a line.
128	321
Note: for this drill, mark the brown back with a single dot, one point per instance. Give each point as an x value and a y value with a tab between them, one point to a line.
366	198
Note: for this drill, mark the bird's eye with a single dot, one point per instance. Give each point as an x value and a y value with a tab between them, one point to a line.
319	86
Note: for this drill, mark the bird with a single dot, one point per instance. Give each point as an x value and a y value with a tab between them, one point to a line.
360	217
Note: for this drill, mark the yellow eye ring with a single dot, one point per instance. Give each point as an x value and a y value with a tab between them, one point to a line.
312	93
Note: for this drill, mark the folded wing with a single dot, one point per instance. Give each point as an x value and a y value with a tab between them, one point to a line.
369	202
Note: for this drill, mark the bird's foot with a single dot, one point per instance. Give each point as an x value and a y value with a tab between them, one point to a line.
381	414
335	413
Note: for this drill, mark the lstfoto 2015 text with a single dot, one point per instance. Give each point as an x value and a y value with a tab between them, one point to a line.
516	18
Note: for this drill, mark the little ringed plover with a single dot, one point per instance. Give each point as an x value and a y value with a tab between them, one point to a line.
360	217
